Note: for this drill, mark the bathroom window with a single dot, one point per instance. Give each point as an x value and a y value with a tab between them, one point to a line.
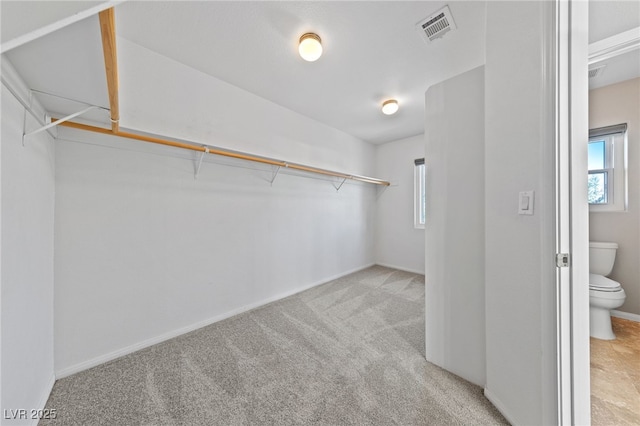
420	198
607	181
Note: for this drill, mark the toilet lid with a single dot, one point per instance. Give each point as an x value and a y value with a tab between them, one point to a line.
598	282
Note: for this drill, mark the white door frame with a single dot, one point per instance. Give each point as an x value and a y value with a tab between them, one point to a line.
572	214
573	57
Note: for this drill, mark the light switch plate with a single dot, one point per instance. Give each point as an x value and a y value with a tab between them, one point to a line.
525	202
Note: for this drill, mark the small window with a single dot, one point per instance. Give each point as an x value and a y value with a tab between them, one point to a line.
607	181
420	198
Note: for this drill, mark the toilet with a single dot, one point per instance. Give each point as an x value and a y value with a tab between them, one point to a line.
604	293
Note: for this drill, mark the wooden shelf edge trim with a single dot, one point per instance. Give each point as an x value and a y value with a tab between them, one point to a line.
222	152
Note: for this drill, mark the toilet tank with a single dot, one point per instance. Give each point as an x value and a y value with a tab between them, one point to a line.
601	257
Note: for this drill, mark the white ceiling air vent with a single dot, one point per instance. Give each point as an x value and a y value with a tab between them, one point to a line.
436	25
596	71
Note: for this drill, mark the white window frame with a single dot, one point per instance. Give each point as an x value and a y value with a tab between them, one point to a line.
615	138
419	194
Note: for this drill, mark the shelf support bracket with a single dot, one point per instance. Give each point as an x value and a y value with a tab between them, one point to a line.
206	151
275	174
24	125
341	183
55	123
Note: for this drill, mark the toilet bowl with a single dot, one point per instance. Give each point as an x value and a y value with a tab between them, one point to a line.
604	294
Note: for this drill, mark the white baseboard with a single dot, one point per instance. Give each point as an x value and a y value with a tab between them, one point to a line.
625	315
85	365
42	402
496	403
400	268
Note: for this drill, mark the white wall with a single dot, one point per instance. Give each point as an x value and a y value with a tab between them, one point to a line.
455	317
144	251
520	267
615	104
169	98
27	199
398	243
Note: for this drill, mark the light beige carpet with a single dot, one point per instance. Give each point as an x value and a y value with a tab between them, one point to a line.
349	352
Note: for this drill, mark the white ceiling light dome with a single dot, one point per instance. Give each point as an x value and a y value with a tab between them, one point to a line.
390	107
310	47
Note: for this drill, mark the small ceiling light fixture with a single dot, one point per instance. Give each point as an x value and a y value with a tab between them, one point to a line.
310	47
390	107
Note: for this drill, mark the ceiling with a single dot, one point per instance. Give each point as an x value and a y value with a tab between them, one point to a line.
372	52
610	17
619	68
606	19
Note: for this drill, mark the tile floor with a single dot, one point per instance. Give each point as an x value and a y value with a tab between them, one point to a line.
615	376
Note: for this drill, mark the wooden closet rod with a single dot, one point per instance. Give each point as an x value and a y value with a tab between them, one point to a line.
108	33
222	152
